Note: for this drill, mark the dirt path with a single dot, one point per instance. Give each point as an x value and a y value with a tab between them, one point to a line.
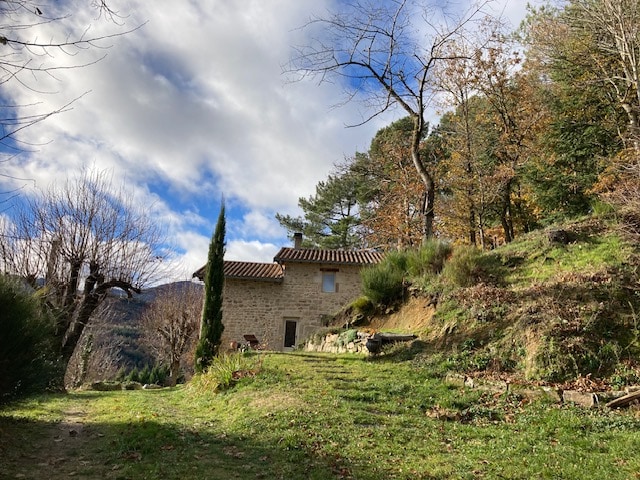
35	450
66	446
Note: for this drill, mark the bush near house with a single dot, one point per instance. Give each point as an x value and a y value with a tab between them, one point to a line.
387	281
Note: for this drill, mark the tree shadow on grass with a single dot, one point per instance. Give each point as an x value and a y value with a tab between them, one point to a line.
149	449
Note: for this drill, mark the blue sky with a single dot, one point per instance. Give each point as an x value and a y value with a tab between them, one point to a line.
192	107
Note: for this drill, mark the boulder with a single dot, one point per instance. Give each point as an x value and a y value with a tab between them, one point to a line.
583	399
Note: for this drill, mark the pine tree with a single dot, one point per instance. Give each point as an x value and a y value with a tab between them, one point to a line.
331	216
211	327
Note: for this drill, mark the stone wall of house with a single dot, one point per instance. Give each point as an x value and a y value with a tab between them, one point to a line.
262	308
250	308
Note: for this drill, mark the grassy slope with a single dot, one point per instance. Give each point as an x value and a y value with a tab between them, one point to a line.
314	417
543	311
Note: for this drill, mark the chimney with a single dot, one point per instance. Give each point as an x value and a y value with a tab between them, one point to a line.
297	240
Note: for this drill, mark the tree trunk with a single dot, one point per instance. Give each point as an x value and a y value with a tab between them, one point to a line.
425	177
174	370
634	131
429	208
72	284
505	213
472	225
79	321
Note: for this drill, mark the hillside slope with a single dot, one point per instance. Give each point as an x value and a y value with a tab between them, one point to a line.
113	342
556	305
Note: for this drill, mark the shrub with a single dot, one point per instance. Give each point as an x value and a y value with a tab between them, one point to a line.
383	283
346	337
225	370
429	259
554	362
152	375
134	376
397	260
27	360
624	375
467	267
362	306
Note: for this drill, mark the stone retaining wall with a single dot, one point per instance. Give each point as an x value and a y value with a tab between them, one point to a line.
349	341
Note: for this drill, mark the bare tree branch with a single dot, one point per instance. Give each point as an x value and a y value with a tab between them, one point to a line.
383	55
82	239
26	60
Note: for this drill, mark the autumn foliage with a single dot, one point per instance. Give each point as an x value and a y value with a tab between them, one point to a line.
535	125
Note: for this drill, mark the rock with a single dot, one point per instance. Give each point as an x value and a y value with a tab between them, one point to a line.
605	397
588	400
551	394
106	386
132	386
563	237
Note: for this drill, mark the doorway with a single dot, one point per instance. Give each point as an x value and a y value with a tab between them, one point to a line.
290	333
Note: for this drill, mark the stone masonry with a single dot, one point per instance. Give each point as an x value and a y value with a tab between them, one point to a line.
283	303
261	308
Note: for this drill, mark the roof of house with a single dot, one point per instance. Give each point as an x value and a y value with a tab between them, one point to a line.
248	270
335	257
275	271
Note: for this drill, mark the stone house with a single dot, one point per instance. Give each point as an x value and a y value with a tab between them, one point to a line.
284	302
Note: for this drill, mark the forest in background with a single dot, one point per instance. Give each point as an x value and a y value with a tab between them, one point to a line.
538	125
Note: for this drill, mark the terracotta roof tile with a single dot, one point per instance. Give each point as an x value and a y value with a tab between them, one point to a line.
249	270
265	271
338	257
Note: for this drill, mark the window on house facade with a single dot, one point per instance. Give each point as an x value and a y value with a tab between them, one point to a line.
329	281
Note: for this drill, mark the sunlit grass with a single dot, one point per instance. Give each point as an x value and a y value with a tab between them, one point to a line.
316	416
536	260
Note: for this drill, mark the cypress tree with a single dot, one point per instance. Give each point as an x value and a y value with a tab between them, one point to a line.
211	326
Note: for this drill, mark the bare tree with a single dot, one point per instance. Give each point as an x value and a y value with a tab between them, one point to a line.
171	323
84	239
25	58
28	55
386	53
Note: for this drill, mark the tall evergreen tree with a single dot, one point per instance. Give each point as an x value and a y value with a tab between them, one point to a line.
585	124
211	326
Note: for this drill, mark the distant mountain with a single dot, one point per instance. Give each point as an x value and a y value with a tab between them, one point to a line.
113	340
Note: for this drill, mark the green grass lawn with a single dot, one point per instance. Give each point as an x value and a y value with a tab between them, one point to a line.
313	416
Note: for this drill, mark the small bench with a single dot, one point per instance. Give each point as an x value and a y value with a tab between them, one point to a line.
252	341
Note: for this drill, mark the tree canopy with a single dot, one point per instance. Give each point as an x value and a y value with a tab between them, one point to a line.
535	125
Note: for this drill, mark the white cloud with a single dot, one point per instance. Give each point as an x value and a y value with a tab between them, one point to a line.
196	248
191	107
256	223
251	251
